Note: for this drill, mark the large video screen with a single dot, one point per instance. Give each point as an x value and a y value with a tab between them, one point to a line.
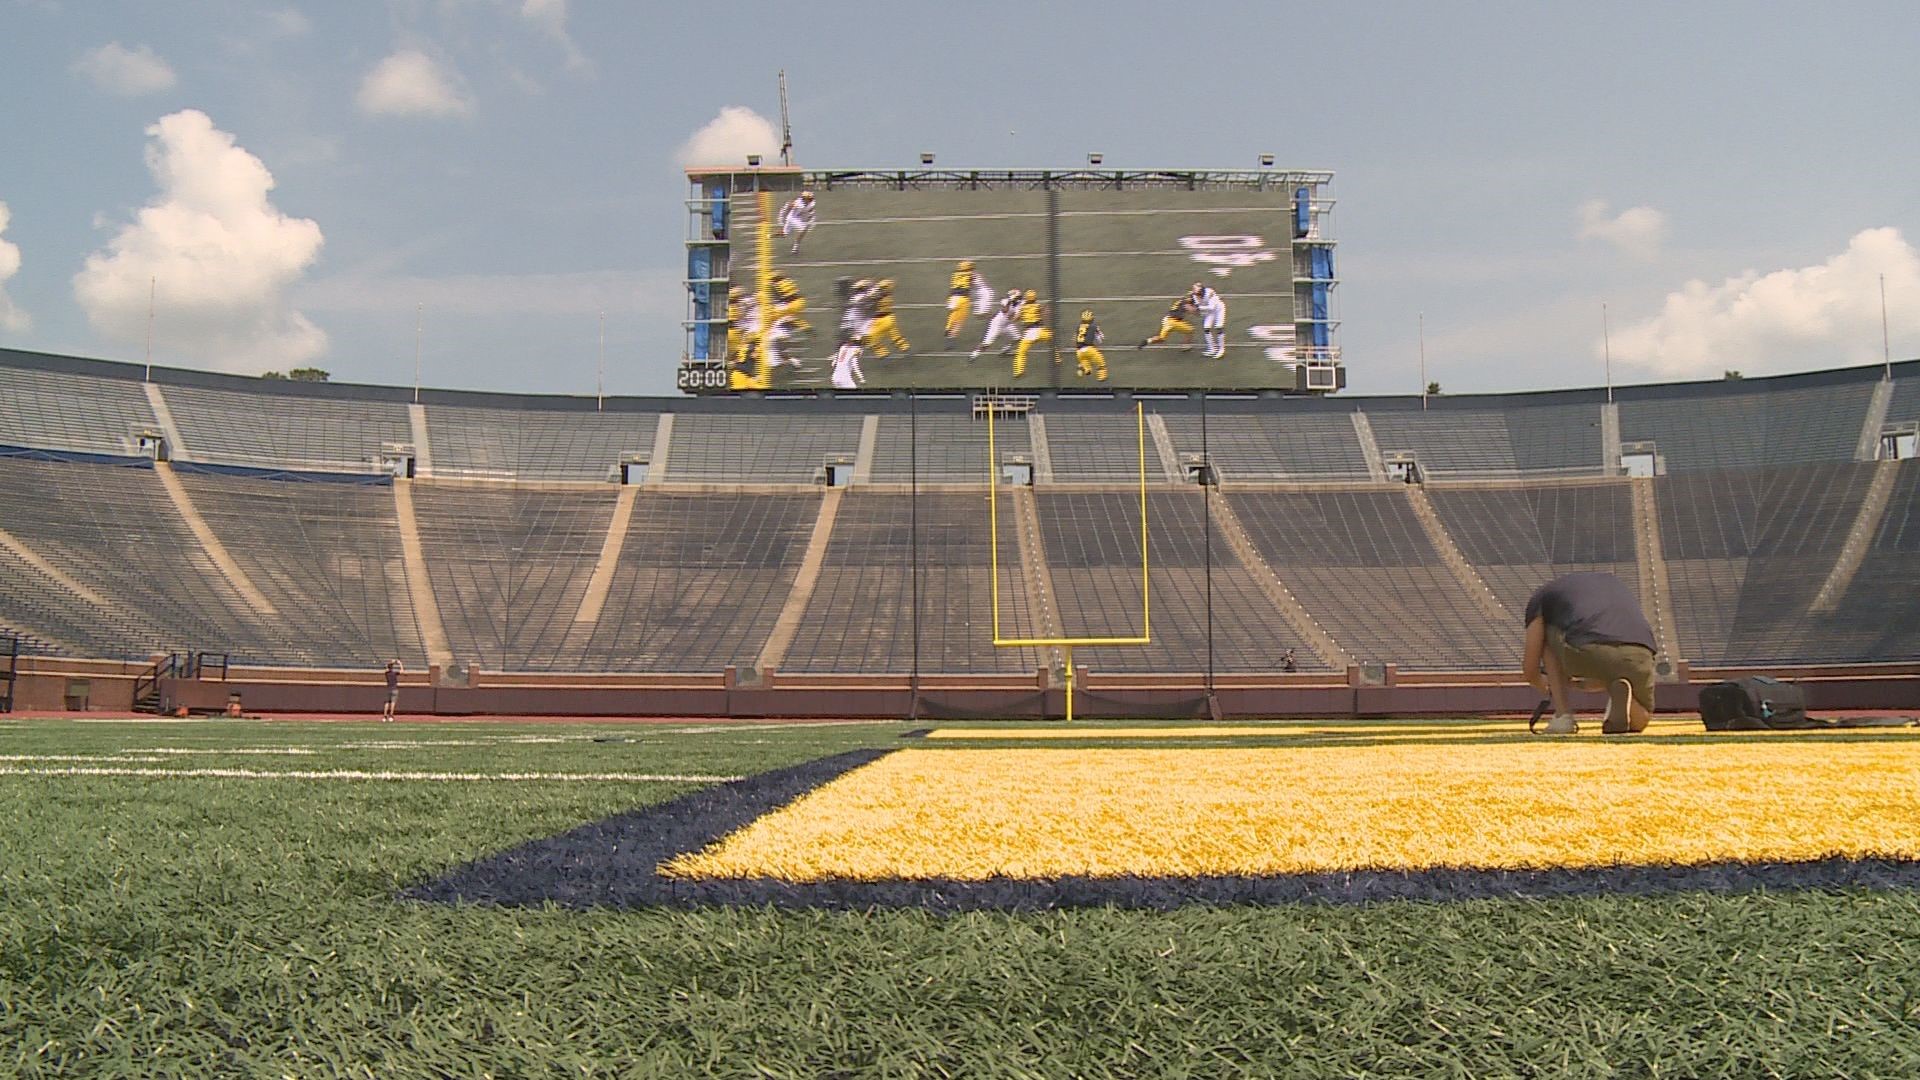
950	287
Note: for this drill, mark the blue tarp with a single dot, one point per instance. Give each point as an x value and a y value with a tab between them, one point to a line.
256	472
1302	211
717	199
1322	261
76	457
699	268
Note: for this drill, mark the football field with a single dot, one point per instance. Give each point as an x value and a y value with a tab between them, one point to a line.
1143	899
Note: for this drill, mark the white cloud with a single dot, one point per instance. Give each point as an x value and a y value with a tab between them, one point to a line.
410	83
1637	231
1827	315
128	72
217	253
551	17
728	138
11	317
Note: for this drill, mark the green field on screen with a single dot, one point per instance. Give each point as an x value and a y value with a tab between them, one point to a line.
1123	254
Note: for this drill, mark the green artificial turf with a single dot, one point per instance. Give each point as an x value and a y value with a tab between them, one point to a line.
217	927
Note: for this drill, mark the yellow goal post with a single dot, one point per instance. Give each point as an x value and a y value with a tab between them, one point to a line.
993	547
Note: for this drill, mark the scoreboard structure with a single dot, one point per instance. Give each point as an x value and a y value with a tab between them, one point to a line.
892	281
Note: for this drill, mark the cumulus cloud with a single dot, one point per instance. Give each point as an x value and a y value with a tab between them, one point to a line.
11	317
1825	315
128	72
410	83
218	255
1637	231
728	138
551	17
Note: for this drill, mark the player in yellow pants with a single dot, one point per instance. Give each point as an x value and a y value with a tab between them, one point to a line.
1178	320
884	331
789	304
960	289
1087	348
1033	328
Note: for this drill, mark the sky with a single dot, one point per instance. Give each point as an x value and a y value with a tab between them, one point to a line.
484	185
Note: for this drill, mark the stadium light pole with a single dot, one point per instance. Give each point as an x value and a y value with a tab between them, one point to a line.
1886	343
419	324
1606	348
1422	316
152	283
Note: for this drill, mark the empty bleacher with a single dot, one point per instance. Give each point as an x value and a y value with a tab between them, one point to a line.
327	555
112	528
1283	446
509	566
950	449
1880	616
861	616
700	582
1531	438
534	444
1092	542
1746	552
1739	429
1097	446
285	430
1362	566
1517	538
759	449
58	410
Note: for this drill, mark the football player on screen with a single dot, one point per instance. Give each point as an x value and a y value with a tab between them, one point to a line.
1033	329
1005	321
883	332
796	219
1086	348
789	304
1213	317
743	322
962	288
1177	320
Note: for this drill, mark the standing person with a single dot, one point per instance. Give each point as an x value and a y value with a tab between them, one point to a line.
796	219
961	288
1086	348
1588	628
1213	318
1006	320
1033	329
394	668
883	330
1287	662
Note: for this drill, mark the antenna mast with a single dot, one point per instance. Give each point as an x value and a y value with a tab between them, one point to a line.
786	128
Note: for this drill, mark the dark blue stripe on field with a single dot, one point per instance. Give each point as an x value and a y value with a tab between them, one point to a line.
614	864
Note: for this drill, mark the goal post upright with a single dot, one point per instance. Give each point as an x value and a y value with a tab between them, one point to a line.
1145	637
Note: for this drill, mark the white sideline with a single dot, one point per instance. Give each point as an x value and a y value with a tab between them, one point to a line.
358	774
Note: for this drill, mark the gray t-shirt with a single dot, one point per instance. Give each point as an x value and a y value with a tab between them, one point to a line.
1590	607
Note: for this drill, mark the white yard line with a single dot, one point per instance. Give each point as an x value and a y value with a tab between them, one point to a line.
359	774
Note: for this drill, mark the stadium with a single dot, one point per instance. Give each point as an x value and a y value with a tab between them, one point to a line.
954	714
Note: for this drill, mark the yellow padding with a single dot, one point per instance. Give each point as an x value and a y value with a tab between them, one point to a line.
1039	813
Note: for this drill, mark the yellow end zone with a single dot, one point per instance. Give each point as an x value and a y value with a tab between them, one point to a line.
1383	730
1051	812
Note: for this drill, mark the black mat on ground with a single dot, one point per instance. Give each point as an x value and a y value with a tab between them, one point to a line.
614	863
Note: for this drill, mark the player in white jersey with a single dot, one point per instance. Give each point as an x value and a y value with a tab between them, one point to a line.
846	367
1006	320
778	342
1213	317
796	219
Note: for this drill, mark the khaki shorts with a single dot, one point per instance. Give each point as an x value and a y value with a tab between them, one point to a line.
1606	661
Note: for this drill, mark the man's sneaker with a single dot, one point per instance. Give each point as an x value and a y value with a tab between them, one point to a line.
1620	709
1561	724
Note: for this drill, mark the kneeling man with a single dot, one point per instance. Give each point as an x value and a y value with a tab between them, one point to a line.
1587	629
